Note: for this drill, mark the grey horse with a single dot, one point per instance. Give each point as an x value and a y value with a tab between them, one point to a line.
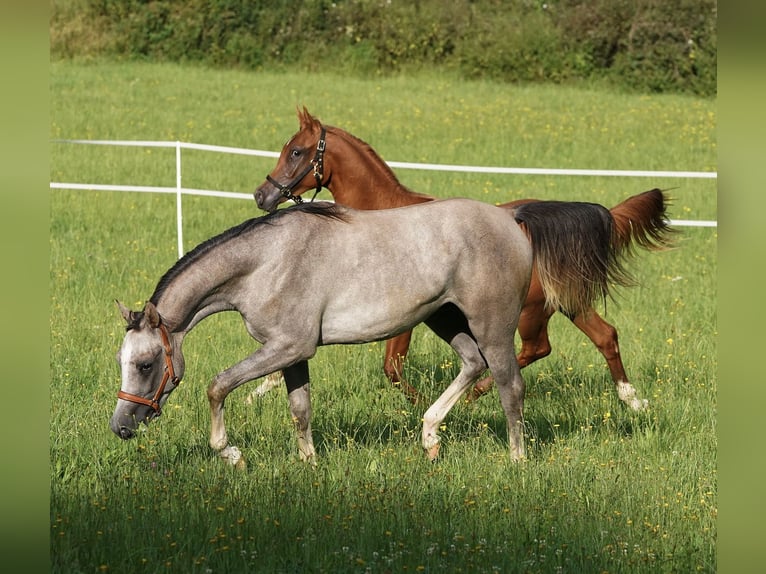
465	274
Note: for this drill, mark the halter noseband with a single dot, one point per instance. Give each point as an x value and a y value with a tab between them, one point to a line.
317	164
168	375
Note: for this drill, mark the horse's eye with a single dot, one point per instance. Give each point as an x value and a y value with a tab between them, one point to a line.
296	153
144	368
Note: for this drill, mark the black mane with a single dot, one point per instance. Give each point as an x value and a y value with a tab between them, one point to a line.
322	209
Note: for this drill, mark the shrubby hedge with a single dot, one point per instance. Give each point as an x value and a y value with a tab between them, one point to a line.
644	45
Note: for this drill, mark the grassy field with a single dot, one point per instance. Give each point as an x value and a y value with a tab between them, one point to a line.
604	489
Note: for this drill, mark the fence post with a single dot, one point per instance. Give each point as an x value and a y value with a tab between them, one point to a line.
179	212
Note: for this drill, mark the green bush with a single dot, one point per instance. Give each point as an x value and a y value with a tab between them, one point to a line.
650	46
520	44
668	46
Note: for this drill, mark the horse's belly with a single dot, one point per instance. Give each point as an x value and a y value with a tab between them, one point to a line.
374	321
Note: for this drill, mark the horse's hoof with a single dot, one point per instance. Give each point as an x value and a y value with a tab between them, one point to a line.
627	394
311	461
233	456
433	452
639	404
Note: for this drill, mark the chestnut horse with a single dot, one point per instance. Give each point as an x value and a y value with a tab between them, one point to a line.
320	156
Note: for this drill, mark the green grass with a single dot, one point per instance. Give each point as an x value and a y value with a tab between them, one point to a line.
604	489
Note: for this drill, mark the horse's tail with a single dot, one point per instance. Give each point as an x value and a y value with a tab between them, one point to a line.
641	220
580	248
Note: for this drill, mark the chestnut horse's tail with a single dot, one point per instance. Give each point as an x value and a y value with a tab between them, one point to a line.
641	220
580	249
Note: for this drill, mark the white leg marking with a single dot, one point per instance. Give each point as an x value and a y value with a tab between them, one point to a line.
627	394
272	381
436	413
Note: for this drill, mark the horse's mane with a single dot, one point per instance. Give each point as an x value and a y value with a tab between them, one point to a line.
369	150
320	209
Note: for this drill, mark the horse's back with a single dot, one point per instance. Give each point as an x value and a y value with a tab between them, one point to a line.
399	265
442	234
461	224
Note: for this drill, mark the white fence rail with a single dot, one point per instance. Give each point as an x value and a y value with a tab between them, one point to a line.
179	190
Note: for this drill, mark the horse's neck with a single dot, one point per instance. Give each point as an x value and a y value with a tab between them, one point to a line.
196	293
362	179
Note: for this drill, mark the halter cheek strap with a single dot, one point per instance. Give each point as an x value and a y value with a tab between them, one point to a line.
317	164
168	375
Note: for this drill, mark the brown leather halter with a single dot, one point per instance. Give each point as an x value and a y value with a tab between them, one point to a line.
168	375
317	164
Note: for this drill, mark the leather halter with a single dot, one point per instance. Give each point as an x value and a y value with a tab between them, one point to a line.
168	375
317	164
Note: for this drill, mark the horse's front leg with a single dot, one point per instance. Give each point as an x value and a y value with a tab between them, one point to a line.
299	397
265	360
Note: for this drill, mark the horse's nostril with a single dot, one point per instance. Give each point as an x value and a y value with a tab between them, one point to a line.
125	433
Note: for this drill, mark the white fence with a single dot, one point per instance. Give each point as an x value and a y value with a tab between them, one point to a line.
179	190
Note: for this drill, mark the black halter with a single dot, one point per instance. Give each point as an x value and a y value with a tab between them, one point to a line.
317	164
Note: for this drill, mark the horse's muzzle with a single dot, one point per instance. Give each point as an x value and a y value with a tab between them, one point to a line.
266	197
122	431
125	427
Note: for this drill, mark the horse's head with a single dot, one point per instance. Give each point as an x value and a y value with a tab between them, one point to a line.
152	365
300	166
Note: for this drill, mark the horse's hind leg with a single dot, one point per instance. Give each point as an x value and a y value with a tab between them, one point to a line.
472	366
499	357
299	397
533	332
495	345
511	389
604	337
450	324
396	351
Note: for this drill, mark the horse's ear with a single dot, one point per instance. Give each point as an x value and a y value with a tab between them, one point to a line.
152	315
306	119
124	311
